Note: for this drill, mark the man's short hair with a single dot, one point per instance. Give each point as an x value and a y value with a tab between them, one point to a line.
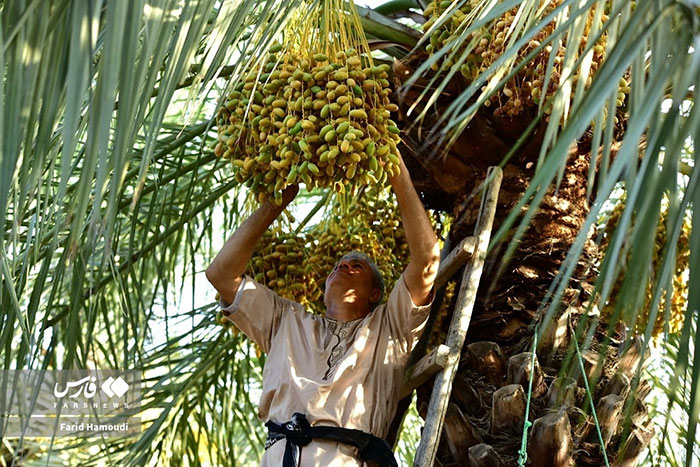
378	279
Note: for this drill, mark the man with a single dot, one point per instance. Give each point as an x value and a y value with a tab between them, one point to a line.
345	369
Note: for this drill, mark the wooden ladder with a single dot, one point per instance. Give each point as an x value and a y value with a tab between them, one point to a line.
444	359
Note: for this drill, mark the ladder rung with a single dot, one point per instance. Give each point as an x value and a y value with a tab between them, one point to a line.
455	260
426	367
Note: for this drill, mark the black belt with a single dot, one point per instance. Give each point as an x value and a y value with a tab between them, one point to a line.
299	433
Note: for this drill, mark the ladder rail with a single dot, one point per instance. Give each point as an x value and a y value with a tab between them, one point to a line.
439	398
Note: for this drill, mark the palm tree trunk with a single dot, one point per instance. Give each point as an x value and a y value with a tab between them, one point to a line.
486	416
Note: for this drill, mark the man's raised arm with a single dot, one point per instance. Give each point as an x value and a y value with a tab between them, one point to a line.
422	241
226	270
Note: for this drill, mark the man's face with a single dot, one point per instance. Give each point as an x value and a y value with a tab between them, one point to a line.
352	280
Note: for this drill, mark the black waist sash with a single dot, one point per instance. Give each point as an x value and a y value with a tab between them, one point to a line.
299	433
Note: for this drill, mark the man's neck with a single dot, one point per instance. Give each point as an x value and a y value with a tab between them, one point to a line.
345	311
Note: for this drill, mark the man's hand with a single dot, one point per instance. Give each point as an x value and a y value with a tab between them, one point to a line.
226	270
422	242
288	195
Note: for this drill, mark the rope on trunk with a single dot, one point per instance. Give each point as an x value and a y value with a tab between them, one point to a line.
522	454
590	399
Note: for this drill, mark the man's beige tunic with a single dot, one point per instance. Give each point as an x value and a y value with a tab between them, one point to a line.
345	374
